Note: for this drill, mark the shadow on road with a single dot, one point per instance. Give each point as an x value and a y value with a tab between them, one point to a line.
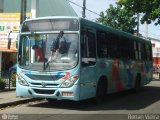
127	100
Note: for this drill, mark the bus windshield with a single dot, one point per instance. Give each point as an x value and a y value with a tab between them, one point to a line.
53	51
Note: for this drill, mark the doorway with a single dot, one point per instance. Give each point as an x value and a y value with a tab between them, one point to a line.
8	60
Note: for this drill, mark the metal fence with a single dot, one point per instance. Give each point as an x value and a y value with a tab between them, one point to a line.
9	78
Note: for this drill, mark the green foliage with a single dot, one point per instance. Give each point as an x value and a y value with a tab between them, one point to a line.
2	84
14	83
13	79
118	18
149	8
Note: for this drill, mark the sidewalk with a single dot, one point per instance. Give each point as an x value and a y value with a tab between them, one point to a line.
8	98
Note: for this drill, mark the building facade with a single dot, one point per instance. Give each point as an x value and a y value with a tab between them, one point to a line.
156	57
10	20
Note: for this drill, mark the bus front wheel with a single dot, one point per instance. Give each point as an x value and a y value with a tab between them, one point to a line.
101	91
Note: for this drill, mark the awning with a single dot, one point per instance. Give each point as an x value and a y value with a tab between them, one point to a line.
8	50
4	46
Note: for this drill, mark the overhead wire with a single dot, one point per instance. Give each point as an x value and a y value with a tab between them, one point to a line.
99	14
82	7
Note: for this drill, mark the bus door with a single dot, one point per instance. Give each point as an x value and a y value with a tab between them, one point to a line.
88	63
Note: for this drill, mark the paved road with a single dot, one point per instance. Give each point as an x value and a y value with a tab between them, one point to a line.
119	106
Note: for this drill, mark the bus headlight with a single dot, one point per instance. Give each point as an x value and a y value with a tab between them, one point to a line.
70	81
21	80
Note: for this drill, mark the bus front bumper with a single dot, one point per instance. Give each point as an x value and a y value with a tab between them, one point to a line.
71	93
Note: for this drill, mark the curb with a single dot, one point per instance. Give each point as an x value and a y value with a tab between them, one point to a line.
156	80
13	103
7	90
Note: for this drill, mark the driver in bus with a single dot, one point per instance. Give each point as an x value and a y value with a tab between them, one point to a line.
39	53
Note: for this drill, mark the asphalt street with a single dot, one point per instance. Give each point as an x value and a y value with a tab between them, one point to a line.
119	106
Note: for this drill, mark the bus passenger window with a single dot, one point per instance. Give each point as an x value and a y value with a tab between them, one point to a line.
102	44
88	47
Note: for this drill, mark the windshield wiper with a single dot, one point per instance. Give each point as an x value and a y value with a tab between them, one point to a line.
44	48
60	35
54	47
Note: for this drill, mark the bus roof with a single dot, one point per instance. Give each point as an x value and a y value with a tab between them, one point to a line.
97	26
112	30
53	17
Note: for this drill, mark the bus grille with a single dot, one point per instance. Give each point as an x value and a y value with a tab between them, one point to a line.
44	77
47	84
44	91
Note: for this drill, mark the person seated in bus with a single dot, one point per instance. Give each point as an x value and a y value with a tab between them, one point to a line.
38	53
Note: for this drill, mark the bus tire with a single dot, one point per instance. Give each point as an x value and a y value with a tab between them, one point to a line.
101	91
137	86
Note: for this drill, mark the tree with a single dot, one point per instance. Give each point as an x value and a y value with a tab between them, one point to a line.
118	18
150	9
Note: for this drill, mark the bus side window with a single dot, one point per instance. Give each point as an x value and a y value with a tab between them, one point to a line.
136	50
113	47
149	53
88	48
102	44
23	59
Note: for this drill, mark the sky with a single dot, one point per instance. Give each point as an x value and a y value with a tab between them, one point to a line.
98	6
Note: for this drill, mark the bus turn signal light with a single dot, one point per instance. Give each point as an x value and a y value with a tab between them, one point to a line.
67	94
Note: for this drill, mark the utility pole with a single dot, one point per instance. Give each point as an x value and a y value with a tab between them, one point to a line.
146	30
84	9
23	11
137	24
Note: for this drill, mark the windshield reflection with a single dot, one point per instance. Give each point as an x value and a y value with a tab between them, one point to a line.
48	51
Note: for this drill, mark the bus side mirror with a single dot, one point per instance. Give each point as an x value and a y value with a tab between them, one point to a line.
9	40
9	43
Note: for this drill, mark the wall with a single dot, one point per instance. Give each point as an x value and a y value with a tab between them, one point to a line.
54	8
156	58
1	5
0	61
44	7
14	5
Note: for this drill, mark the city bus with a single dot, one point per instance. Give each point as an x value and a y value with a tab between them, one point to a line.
97	60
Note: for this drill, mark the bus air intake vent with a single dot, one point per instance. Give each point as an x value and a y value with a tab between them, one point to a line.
38	91
44	77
